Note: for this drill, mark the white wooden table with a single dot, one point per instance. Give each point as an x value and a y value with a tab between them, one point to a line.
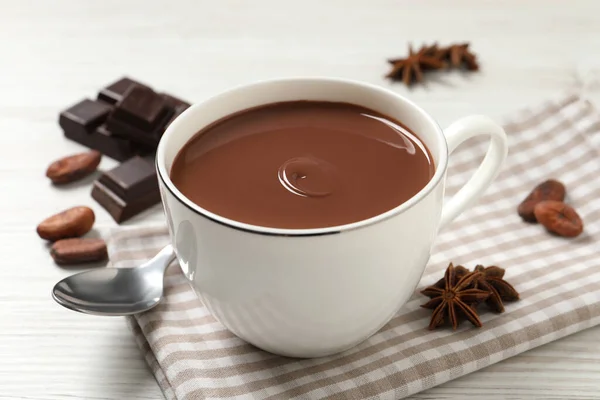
53	53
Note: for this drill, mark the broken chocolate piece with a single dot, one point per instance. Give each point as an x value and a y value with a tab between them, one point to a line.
85	116
178	106
174	101
178	110
142	108
141	116
114	92
102	140
84	124
128	119
131	179
128	189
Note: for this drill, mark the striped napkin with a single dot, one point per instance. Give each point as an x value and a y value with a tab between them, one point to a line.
195	357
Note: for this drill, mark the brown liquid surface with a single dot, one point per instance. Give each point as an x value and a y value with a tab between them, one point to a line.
302	165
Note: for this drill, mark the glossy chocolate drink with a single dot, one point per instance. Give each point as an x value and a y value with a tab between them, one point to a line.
302	164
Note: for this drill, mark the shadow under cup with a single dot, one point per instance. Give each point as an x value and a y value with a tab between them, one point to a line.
304	292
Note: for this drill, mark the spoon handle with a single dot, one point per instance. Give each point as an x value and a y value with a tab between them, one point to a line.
162	260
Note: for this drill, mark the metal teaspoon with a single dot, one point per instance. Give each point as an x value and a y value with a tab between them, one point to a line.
115	291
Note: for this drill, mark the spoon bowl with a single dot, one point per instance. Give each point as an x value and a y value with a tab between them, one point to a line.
115	291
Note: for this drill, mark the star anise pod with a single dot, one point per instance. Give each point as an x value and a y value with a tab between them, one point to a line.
458	55
491	280
459	272
433	58
454	298
411	69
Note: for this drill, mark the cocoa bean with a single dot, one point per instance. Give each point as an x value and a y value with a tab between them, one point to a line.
559	218
72	168
78	250
548	190
74	222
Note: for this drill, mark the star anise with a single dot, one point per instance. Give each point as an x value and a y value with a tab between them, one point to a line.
453	298
459	272
491	280
410	69
458	55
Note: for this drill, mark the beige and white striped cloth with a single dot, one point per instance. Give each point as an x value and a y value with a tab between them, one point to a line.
194	357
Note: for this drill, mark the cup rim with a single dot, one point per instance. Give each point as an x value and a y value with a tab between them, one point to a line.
264	230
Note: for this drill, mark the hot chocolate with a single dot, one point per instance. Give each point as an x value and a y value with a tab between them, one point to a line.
302	164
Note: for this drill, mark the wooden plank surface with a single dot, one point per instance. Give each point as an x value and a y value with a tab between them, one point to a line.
53	53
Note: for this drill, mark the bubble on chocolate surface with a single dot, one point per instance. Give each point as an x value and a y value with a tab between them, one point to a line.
307	176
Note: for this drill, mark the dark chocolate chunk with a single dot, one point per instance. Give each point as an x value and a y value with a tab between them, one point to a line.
114	92
112	146
128	119
84	116
178	106
136	135
84	124
175	101
176	113
141	116
142	108
101	140
128	189
118	148
131	179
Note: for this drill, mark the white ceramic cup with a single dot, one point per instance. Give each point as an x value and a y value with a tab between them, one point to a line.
315	292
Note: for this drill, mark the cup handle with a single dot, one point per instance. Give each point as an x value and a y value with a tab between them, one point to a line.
460	131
